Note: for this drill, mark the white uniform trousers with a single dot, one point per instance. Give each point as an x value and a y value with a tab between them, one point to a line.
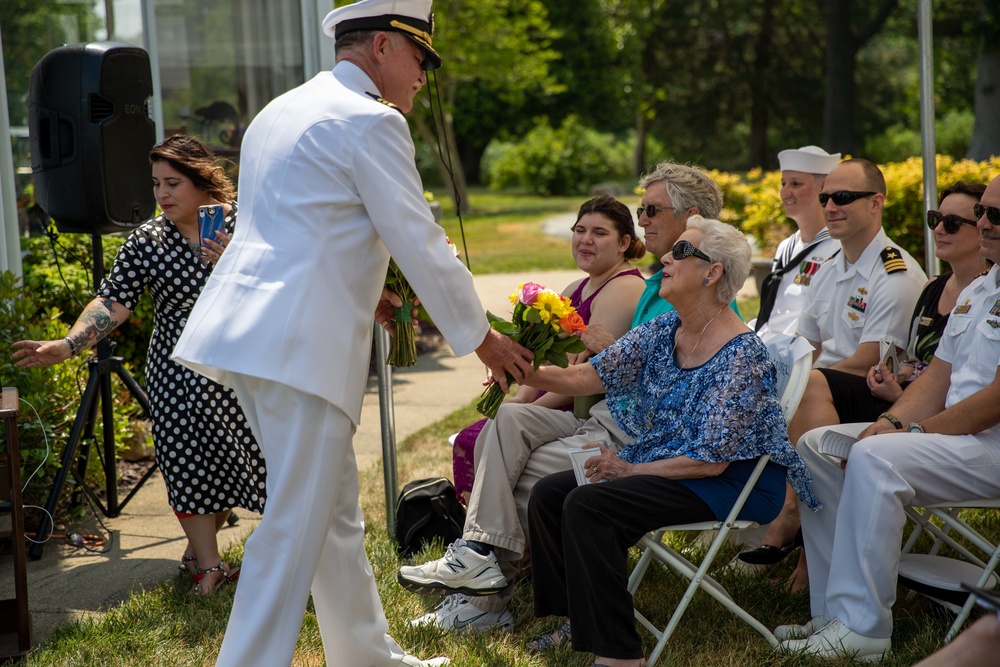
309	539
854	542
521	446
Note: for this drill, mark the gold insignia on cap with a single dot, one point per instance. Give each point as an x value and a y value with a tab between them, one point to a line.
892	260
423	37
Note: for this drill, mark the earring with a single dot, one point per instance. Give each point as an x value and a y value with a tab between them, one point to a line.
705	281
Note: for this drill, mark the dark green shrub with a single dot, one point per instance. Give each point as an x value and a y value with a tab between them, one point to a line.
566	160
73	289
53	391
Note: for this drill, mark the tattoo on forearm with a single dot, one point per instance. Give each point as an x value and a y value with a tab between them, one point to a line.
99	321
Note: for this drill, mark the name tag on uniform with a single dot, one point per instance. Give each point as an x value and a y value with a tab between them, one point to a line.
963	309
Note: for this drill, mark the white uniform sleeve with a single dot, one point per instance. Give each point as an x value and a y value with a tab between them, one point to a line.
388	183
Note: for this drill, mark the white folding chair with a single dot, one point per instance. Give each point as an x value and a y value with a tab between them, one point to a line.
792	356
940	577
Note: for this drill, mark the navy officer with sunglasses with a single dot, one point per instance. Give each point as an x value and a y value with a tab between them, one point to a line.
861	296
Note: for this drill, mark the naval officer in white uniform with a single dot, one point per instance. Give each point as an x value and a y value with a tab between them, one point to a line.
328	191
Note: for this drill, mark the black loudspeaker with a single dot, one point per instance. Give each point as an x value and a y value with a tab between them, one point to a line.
90	135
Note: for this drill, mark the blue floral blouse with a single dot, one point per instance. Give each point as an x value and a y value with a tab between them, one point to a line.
724	410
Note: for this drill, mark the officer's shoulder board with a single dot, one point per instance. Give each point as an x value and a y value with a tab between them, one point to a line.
892	260
383	101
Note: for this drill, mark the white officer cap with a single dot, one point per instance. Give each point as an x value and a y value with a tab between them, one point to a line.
413	18
808	159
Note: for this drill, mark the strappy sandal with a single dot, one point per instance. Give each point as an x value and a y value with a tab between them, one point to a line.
188	569
228	575
545	642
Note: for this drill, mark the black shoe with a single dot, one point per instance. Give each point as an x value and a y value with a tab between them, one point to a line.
768	555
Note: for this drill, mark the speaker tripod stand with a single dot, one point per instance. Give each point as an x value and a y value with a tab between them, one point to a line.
77	450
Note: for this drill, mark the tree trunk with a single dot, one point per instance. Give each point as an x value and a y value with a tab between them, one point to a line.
986	132
639	159
758	91
841	53
423	128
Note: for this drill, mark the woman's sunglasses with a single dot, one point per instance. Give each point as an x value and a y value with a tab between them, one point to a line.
684	249
952	223
992	213
842	197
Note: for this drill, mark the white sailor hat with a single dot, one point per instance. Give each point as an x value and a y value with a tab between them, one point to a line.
413	18
808	159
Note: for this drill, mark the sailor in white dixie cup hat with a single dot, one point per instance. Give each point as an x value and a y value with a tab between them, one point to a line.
328	191
785	292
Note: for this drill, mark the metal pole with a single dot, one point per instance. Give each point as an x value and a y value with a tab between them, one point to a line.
10	232
925	34
388	422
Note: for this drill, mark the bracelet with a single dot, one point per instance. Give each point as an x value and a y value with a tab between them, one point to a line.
72	346
889	417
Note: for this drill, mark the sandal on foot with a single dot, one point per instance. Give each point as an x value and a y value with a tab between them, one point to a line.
545	642
188	569
233	575
200	575
770	555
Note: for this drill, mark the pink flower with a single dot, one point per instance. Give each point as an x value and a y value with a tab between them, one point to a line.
529	292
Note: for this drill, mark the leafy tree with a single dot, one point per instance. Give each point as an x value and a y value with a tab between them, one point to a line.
986	133
498	51
31	28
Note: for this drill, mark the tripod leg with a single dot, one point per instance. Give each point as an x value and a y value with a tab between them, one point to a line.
140	396
110	458
84	417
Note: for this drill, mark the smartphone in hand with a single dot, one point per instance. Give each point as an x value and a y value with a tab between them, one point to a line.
211	219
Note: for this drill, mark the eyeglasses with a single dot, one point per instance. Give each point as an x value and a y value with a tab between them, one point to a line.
992	213
684	249
842	197
952	223
652	209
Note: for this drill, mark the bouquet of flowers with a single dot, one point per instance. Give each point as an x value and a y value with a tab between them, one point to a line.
403	346
545	323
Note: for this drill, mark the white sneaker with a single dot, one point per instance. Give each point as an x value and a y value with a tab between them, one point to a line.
836	640
783	632
414	661
459	613
461	570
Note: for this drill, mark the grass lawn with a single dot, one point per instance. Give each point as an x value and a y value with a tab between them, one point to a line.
503	231
169	628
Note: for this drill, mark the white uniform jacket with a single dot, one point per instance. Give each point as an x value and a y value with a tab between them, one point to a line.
328	189
861	303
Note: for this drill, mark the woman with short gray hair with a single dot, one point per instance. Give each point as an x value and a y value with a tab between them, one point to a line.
696	390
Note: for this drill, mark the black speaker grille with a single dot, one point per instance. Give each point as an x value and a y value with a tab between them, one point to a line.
101	108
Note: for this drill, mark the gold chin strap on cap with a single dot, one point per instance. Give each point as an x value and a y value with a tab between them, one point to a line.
420	34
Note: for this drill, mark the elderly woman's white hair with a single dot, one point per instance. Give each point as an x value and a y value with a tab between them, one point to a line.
725	244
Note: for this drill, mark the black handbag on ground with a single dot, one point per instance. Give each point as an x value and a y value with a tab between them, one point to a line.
427	509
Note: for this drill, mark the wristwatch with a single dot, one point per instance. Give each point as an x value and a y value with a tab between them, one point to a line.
916	428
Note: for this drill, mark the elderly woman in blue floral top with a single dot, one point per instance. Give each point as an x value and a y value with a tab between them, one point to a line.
696	390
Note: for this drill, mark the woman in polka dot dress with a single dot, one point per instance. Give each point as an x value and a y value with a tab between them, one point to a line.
204	448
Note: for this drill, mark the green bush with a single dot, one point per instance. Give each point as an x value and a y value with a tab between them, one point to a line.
752	201
53	391
566	160
73	289
952	136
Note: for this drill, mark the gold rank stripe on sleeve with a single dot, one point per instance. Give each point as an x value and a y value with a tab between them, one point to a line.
892	260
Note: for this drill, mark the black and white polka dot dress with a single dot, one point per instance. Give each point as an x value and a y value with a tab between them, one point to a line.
204	447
